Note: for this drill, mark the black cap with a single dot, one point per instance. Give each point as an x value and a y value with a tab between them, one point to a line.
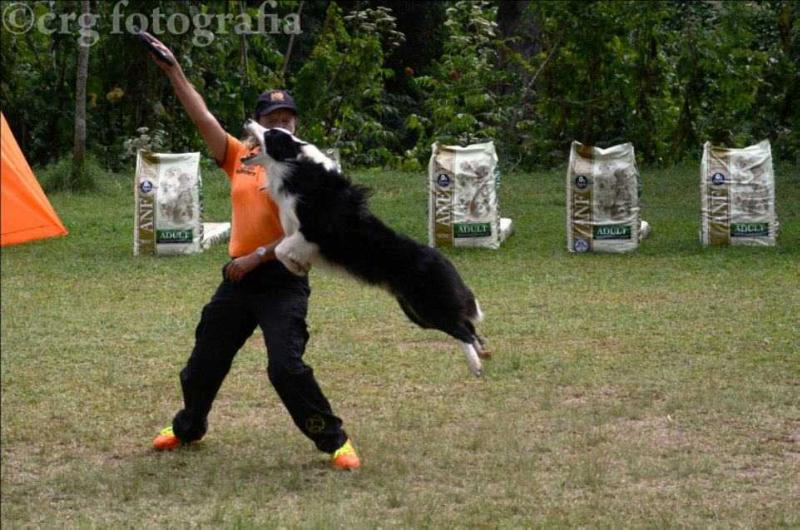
273	100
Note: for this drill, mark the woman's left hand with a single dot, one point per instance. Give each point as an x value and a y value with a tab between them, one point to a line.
239	267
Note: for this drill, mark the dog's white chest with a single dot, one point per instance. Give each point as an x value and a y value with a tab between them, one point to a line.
286	201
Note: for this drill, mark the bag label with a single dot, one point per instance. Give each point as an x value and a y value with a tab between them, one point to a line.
472	230
145	237
443	211
612	232
174	236
582	214
749	229
718	207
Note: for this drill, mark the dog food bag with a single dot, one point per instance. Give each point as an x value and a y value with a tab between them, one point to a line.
462	200
168	204
737	190
602	199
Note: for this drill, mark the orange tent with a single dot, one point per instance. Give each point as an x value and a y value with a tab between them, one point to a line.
25	212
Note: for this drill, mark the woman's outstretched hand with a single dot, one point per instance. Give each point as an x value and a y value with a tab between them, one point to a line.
159	52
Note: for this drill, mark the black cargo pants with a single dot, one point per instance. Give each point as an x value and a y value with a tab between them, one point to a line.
276	300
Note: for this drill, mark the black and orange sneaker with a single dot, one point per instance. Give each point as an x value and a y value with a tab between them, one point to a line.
345	458
166	440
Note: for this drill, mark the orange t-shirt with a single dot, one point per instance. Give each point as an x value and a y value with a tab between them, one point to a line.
254	217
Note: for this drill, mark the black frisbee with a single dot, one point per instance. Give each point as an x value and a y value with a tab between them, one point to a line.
147	39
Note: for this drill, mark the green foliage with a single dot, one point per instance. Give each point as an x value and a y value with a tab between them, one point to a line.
125	89
146	141
666	75
340	88
461	103
719	71
57	176
777	32
598	75
37	87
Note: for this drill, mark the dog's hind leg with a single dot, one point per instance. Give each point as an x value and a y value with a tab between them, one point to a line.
457	327
411	314
473	360
467	340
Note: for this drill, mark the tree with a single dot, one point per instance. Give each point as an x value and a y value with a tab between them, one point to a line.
462	104
79	177
665	74
340	88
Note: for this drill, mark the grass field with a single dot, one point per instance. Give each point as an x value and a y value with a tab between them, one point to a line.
655	389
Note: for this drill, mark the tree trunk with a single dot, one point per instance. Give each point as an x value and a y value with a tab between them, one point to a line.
58	66
646	74
289	47
509	17
588	125
244	62
79	153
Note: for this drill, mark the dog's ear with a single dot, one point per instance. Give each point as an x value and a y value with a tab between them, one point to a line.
281	145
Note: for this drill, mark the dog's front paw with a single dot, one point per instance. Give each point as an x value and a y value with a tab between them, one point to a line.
297	268
291	262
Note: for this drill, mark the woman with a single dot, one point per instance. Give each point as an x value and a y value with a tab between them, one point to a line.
257	290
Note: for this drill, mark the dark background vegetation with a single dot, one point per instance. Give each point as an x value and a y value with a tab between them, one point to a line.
383	79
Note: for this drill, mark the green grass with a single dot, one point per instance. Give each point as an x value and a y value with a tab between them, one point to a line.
654	389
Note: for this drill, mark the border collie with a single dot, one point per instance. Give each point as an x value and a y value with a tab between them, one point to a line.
325	218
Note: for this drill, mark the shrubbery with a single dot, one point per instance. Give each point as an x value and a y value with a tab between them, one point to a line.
340	88
461	103
665	75
57	175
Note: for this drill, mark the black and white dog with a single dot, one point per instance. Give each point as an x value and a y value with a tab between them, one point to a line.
325	218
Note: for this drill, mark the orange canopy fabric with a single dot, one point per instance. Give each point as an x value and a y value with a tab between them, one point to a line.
25	212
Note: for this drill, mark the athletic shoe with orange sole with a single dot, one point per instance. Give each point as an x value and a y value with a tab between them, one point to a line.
345	458
166	440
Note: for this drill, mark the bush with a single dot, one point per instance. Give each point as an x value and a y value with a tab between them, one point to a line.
57	176
146	141
461	102
340	88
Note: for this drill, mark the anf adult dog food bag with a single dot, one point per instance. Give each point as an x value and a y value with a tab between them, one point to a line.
168	204
737	190
603	199
462	199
